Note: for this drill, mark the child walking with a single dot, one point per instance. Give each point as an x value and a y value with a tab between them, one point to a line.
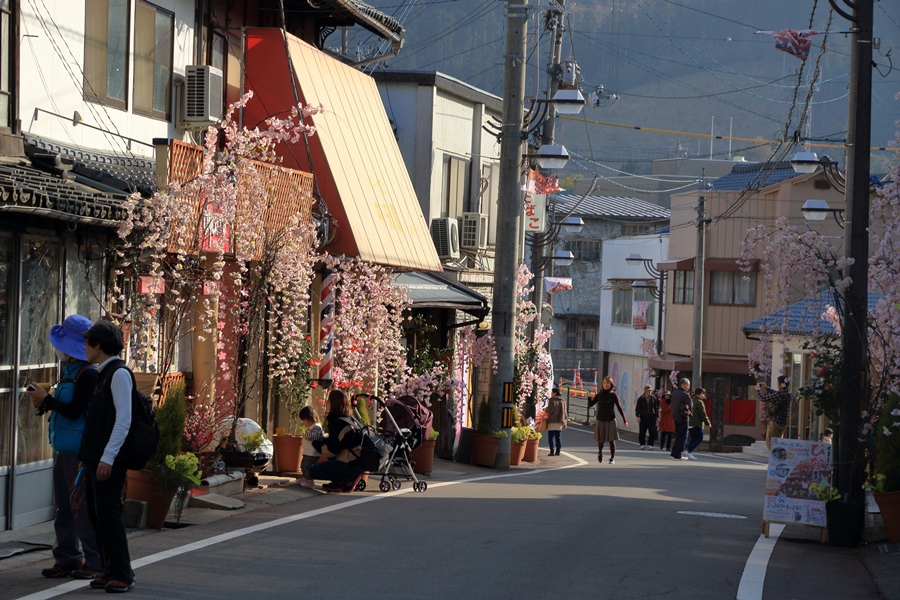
314	433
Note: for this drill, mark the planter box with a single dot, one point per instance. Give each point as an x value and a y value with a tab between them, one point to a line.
484	449
423	456
288	450
516	453
889	505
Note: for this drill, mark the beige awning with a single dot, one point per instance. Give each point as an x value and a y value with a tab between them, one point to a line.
355	159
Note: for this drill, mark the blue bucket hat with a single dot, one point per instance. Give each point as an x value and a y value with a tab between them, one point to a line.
68	338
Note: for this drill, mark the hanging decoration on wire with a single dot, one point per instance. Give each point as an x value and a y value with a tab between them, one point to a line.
539	184
795	42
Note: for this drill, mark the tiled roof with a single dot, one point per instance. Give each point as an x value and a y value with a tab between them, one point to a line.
754	176
802	318
112	172
611	207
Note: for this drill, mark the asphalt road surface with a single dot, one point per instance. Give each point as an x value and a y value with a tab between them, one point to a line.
645	527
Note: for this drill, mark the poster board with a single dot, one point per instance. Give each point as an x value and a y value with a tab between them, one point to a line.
793	465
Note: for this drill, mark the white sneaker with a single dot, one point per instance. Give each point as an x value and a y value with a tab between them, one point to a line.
684	457
691	456
643	447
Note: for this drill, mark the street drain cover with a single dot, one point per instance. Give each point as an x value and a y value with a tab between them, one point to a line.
710	514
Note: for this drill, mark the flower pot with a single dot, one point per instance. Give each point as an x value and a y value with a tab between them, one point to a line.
516	453
889	505
423	456
288	450
484	449
531	450
146	486
844	522
237	459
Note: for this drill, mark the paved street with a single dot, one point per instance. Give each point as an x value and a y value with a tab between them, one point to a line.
644	527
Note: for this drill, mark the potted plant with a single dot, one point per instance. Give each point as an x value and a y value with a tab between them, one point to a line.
288	445
842	518
423	455
485	441
532	440
517	445
885	483
169	471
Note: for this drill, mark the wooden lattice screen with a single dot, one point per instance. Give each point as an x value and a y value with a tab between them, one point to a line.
288	192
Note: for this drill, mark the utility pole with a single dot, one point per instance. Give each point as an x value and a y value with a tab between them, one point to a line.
697	374
854	346
509	217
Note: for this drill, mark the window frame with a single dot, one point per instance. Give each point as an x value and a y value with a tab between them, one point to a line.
683	287
734	276
88	90
152	112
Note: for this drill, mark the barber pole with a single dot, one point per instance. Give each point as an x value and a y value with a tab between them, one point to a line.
326	325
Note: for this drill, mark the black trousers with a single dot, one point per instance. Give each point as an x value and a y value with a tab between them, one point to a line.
645	427
105	510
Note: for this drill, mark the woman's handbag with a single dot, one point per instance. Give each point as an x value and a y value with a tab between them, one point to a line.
540	423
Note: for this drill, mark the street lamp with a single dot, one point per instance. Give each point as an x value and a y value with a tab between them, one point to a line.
809	162
657	292
817	210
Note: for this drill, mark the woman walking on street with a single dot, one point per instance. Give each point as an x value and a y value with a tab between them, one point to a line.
666	422
557	417
605	428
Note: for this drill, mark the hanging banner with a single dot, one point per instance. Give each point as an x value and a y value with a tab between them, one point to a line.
535	213
555	284
793	465
639	314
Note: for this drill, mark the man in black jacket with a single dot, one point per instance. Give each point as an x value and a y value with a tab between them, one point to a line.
646	409
103	455
681	412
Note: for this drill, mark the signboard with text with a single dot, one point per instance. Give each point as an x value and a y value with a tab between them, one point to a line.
793	465
535	220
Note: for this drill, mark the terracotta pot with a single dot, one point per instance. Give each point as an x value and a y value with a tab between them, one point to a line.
889	505
484	449
531	450
516	453
146	486
288	450
423	456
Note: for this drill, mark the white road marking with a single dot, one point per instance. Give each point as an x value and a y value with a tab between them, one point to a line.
754	577
709	514
71	586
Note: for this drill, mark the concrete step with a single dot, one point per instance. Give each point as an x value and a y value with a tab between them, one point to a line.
758	448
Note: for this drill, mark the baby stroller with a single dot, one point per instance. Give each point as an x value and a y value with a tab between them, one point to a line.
404	425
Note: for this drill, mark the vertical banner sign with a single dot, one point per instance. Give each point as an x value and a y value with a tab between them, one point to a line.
535	213
326	324
793	465
639	314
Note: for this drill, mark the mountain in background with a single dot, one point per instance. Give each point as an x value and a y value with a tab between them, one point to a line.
690	68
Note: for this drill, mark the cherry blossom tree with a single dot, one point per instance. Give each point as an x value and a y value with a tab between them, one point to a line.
533	366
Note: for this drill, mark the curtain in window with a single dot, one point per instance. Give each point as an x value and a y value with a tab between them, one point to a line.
745	288
720	288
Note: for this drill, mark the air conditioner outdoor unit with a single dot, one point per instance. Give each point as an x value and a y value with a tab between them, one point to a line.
474	230
203	101
445	234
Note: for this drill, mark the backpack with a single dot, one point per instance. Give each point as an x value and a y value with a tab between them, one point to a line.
369	448
143	435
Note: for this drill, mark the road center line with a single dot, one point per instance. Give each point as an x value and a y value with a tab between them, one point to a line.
71	586
754	577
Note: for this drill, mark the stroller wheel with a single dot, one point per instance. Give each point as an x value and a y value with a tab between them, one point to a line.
420	486
360	486
384	486
395	484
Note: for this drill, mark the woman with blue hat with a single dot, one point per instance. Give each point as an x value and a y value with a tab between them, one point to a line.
76	552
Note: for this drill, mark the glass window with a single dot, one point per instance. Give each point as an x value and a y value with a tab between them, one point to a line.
153	39
84	281
106	51
571	334
588	335
621	308
683	290
732	287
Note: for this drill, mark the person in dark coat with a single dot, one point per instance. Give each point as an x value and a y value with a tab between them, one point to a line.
778	408
340	445
557	419
605	427
646	409
103	455
682	407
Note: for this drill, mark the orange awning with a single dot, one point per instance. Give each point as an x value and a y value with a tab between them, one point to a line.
355	159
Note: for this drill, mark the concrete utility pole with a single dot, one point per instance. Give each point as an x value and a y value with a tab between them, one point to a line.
509	216
702	222
854	345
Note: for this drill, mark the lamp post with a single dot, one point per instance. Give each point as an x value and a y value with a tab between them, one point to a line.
854	346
